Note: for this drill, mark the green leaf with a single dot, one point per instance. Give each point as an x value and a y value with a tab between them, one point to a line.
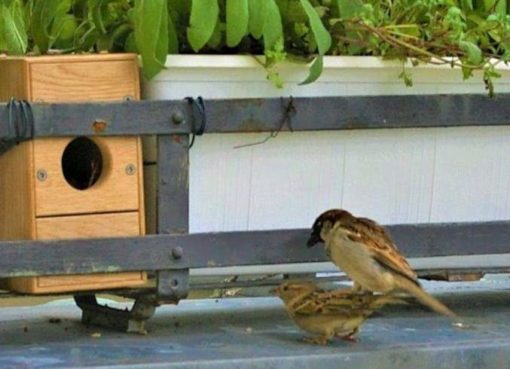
506	56
406	76
257	11
99	12
64	30
3	43
321	35
467	72
104	43
273	30
275	54
173	40
114	38
14	35
274	77
237	21
301	29
130	44
501	7
291	11
85	38
151	34
203	19
322	39
488	74
495	6
43	14
180	6
216	38
466	5
121	31
349	8
473	52
315	70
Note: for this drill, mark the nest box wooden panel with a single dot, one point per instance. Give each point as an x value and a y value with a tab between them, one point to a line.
72	187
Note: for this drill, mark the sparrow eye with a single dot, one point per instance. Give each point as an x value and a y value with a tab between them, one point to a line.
285	288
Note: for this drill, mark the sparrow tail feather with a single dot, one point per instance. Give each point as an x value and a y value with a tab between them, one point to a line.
426	299
386	300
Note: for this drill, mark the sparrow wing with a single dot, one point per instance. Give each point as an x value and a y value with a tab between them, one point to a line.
337	302
381	247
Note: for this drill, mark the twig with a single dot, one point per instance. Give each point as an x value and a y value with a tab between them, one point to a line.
289	110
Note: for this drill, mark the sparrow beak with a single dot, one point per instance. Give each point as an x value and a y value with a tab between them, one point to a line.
313	240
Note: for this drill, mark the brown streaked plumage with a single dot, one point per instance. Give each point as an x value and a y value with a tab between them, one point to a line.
329	314
364	250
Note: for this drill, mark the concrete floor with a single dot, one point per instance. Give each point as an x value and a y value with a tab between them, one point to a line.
256	333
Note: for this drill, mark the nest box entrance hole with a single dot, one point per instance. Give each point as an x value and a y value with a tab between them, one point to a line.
82	163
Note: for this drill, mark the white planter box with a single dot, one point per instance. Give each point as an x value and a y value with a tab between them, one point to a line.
393	176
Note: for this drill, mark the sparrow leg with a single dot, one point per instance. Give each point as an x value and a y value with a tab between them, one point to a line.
351	337
320	340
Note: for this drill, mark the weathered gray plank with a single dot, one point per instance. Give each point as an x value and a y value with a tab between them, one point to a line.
154	252
255	115
173	186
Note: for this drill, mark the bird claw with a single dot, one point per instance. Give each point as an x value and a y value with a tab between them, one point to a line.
316	340
351	337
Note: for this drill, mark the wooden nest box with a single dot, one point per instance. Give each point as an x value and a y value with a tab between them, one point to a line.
71	187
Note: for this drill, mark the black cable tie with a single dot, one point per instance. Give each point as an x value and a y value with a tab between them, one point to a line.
200	106
21	126
11	119
28	117
20	120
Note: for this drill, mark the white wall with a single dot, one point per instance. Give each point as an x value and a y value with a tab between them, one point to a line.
394	176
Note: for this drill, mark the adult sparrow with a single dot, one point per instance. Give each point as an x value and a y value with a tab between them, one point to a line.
329	314
364	250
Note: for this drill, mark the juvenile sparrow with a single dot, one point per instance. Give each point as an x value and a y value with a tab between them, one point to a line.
365	252
329	314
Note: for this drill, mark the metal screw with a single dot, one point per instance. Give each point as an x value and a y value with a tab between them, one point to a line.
177	117
99	125
130	169
174	282
127	98
42	175
177	252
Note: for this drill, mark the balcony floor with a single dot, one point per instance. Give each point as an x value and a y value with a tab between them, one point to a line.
256	333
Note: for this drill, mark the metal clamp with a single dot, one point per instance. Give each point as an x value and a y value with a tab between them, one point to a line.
130	321
171	286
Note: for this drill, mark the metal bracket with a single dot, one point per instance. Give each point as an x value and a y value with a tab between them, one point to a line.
171	286
130	321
